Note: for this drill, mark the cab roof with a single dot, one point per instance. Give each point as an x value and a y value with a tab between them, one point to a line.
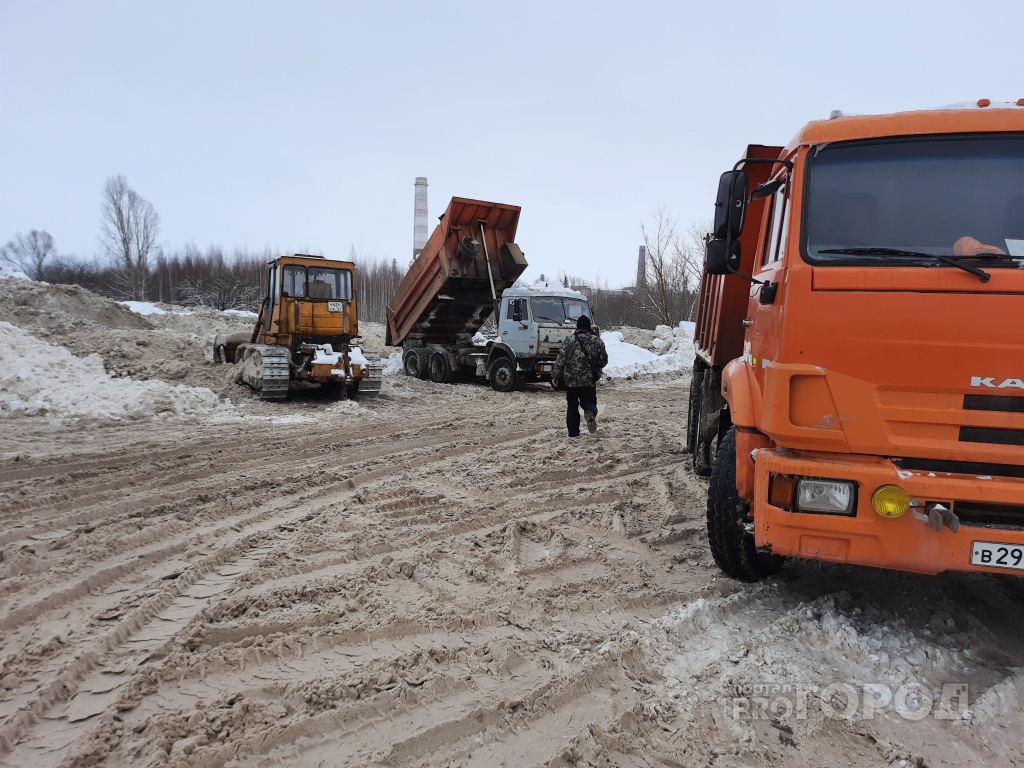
307	259
968	117
537	291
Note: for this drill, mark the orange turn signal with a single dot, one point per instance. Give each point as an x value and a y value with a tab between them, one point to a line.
780	491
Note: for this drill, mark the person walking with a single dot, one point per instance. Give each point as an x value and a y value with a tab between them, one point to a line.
578	367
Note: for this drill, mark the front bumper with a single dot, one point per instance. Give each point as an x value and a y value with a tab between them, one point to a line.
906	543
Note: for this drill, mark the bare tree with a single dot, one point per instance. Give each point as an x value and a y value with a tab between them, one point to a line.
691	256
674	267
661	238
130	229
30	252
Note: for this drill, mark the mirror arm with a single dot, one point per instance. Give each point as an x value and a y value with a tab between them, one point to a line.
728	216
753	280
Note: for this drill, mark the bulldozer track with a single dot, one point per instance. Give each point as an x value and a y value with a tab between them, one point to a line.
265	368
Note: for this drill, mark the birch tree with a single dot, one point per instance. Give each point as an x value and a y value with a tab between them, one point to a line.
130	227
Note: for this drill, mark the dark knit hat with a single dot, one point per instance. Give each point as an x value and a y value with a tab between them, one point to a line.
583	323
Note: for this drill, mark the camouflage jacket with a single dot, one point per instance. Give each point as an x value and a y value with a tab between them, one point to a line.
572	366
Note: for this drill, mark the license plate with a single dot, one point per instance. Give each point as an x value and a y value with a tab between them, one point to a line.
335	306
992	553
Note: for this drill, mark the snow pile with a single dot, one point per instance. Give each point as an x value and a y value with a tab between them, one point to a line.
356	357
151	308
544	288
325	355
6	272
675	352
38	378
143	307
673	341
479	340
392	364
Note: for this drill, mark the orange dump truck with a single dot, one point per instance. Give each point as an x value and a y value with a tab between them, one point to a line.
858	394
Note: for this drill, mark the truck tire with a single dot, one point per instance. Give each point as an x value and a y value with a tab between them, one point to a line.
416	363
441	370
728	514
503	376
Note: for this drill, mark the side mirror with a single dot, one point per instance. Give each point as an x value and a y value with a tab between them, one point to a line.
730	209
517	312
718	262
768	188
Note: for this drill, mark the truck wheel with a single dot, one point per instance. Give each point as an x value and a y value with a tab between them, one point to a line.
416	362
728	515
504	377
441	370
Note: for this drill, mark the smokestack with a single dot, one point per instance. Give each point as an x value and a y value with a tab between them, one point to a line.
419	220
641	267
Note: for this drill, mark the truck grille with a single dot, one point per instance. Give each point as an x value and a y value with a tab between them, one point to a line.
994	435
960	467
1003	403
987	515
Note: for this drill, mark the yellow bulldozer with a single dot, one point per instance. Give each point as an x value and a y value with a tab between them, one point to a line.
305	331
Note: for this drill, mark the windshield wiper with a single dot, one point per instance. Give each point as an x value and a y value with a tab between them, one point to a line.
980	273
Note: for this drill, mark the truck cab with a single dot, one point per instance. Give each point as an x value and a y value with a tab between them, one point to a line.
534	323
859	390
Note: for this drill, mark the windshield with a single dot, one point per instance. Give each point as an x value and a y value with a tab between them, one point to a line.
317	283
555	309
944	197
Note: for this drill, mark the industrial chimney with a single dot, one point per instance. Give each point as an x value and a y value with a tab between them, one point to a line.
419	220
641	267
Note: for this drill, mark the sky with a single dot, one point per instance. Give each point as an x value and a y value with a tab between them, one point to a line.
301	126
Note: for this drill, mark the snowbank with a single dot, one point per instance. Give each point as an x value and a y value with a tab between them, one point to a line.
143	307
393	364
150	308
37	378
675	352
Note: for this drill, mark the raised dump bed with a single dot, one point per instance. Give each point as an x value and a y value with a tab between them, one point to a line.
452	288
458	281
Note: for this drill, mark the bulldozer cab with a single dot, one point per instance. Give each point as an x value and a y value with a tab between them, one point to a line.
309	297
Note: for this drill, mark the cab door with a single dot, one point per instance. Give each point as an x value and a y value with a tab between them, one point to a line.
764	308
515	328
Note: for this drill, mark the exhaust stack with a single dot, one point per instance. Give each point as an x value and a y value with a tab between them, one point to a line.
419	221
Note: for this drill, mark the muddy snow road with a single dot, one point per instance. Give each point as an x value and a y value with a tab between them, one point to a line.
441	578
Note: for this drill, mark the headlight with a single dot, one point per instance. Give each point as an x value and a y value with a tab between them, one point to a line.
890	501
834	497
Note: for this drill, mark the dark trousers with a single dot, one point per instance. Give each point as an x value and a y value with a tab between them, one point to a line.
575	397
